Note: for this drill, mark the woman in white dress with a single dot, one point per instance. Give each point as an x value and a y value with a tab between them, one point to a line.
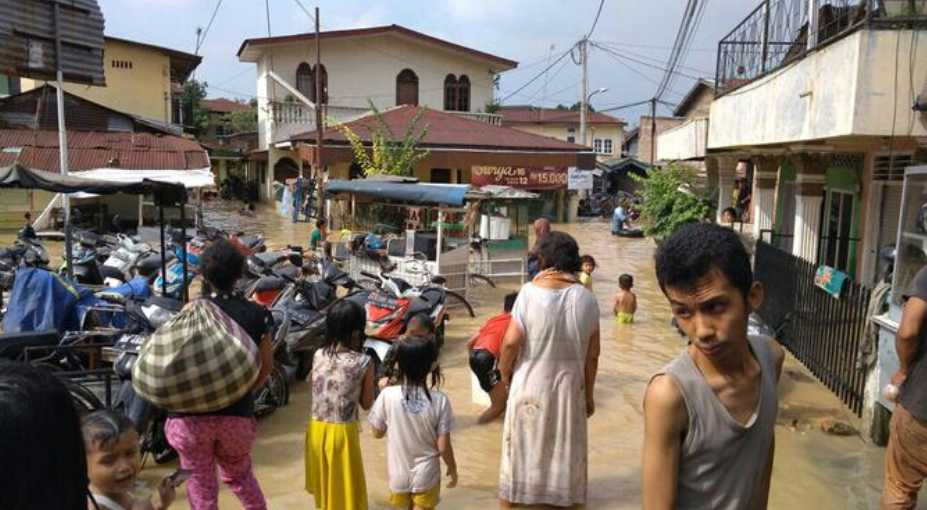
549	362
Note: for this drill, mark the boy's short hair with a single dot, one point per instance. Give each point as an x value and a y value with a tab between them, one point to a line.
319	223
510	301
729	210
626	282
587	259
103	428
698	249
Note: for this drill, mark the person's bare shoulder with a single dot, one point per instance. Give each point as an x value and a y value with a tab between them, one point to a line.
664	400
778	355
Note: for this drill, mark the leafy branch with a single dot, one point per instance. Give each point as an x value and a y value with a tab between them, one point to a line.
386	155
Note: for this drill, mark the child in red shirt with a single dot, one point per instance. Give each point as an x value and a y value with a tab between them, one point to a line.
484	350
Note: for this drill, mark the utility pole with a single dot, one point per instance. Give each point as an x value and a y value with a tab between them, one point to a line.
653	131
582	92
317	164
63	143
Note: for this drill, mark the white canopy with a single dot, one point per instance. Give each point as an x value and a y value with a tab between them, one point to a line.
201	178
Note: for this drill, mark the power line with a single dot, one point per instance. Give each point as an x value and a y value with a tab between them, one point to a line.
532	80
652	47
624	106
596	22
202	38
652	66
662	62
301	6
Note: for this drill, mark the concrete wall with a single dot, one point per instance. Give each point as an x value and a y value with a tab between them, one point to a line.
142	90
701	107
687	141
663	124
615	132
846	88
362	68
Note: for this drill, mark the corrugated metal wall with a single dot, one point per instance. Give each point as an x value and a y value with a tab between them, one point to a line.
27	40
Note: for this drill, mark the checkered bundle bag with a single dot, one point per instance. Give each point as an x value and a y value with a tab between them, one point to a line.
198	362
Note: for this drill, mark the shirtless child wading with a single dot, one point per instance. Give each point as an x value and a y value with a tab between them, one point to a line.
709	415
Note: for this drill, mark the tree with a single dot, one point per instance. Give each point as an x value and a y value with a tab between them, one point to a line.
668	200
387	155
243	121
194	92
575	107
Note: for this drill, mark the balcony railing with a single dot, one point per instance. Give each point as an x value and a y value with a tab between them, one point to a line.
493	119
777	33
298	113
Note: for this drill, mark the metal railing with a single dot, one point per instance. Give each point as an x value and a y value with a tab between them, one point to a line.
822	332
289	112
488	118
777	33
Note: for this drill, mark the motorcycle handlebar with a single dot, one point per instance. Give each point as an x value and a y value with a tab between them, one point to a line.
369	275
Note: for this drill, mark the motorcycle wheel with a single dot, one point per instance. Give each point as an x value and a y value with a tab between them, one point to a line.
460	300
274	394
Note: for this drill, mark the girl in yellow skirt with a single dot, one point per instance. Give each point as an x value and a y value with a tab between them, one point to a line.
342	379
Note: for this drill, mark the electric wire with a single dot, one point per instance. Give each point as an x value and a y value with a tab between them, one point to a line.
202	38
596	21
532	80
645	64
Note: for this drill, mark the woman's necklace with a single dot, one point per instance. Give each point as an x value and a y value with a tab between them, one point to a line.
556	275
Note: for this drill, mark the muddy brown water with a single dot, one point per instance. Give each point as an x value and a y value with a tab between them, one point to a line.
811	470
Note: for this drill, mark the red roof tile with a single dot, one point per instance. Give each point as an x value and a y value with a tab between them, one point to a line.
531	115
223	105
366	32
91	150
447	130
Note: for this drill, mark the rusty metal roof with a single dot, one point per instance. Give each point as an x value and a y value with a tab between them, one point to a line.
92	150
535	115
447	131
223	105
27	40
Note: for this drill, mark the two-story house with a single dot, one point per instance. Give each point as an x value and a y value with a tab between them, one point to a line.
828	101
604	133
141	79
389	66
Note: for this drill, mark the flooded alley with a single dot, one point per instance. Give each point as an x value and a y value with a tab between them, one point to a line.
833	472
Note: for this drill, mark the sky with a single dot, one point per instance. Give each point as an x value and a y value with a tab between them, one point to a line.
520	30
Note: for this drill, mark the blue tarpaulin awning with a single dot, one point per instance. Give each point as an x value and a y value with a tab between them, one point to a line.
410	192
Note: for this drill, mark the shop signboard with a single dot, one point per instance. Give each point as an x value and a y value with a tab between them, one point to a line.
579	179
521	177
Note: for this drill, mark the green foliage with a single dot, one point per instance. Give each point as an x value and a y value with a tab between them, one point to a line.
194	92
243	121
386	155
575	107
492	106
666	205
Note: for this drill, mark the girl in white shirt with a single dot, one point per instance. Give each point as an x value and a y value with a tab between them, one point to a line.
417	420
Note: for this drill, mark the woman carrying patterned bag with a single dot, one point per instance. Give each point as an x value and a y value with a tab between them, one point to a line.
225	436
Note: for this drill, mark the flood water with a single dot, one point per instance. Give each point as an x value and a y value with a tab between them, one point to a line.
811	470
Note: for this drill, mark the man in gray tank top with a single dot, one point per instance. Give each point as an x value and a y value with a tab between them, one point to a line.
710	414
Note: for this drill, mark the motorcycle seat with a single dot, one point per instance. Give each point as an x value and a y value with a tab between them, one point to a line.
270	283
13	345
270	259
251	241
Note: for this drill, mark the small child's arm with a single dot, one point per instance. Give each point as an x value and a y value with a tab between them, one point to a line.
633	304
615	306
472	341
446	449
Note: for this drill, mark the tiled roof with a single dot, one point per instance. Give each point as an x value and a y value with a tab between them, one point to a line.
223	105
367	32
532	115
446	130
91	150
